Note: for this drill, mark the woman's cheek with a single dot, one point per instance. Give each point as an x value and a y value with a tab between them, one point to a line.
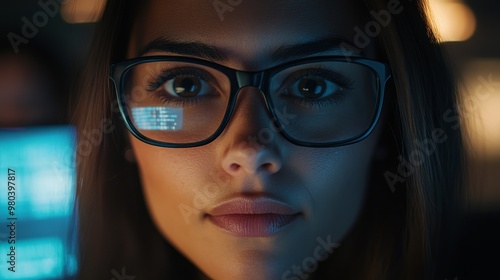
336	179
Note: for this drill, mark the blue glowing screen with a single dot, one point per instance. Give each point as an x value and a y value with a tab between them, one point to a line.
37	189
157	118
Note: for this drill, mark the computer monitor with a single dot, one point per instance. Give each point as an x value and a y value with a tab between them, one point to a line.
38	228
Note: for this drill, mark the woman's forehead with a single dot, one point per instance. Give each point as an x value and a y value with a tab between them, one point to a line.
248	32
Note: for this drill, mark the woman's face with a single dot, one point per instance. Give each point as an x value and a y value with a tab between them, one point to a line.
243	207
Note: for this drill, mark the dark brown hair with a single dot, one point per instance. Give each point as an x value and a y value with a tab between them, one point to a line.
406	226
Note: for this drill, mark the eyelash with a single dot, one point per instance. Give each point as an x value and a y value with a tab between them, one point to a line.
155	83
343	82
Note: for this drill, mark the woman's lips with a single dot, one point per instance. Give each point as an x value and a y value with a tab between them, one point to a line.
252	225
250	217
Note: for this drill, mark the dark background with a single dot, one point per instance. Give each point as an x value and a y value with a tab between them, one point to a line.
65	45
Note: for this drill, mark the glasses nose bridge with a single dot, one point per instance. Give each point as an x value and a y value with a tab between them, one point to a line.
253	79
250	79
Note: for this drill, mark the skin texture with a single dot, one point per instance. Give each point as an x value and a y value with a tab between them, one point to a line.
326	185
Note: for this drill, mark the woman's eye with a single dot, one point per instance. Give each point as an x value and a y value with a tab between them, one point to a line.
184	86
313	87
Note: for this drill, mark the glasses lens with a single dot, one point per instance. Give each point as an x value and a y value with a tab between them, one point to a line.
326	101
175	102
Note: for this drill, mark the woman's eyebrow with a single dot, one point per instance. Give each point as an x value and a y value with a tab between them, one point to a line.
281	54
288	52
198	49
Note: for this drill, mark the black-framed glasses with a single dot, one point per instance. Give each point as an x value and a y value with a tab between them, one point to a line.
180	102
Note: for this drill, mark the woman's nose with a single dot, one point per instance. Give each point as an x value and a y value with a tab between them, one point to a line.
251	143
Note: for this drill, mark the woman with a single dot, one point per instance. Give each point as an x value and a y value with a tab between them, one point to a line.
267	140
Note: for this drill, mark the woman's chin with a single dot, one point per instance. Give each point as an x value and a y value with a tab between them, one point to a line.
244	271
